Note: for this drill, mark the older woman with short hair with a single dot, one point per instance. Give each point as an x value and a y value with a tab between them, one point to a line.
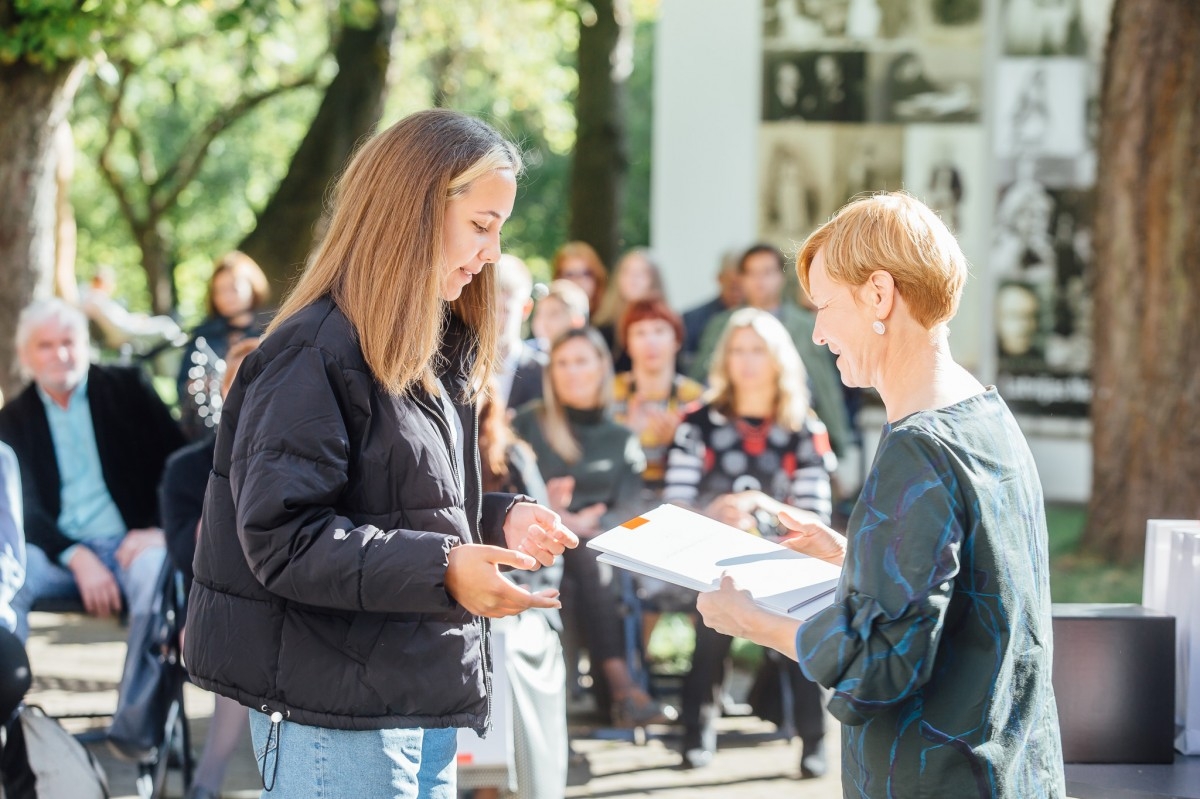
938	645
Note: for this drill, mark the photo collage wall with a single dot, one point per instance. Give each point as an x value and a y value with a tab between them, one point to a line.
1044	145
869	95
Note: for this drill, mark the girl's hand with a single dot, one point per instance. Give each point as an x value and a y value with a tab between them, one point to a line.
537	531
473	578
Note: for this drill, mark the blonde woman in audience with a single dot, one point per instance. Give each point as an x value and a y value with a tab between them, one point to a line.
753	452
593	470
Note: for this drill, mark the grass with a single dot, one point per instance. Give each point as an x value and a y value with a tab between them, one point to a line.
1079	577
1074	577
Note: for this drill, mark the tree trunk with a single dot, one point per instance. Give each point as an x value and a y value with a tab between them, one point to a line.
292	222
601	158
35	104
156	249
1146	439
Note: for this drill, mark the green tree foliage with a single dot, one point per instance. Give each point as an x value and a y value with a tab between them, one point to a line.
183	141
511	63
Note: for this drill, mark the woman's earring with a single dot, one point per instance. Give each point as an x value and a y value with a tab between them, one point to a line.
878	327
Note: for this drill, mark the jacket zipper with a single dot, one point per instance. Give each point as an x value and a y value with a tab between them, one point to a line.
472	526
486	624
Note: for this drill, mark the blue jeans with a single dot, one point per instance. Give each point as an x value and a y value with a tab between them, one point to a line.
46	579
306	762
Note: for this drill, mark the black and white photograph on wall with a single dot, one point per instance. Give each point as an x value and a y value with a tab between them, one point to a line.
1055	27
949	23
1042	304
824	86
834	23
1041	107
796	179
929	85
867	158
1022	314
944	167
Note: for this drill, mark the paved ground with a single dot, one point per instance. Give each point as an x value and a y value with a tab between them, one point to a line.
77	662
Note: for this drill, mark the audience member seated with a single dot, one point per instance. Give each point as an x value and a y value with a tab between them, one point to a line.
578	262
12	535
651	397
533	652
237	295
519	374
181	495
753	451
91	442
636	277
695	320
15	676
592	467
565	307
763	280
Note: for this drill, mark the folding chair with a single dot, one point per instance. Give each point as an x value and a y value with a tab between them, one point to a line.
150	724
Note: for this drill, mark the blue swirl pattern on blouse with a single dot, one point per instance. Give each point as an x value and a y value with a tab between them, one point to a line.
938	650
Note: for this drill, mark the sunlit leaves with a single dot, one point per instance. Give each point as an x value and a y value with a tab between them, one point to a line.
167	78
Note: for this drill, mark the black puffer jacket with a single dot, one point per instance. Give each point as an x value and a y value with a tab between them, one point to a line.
330	512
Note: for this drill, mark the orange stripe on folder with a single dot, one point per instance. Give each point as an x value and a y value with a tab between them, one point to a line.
635	522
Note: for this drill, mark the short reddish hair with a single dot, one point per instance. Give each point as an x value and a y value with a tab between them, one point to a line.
645	310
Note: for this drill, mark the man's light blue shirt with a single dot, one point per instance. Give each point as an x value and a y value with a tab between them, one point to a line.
88	511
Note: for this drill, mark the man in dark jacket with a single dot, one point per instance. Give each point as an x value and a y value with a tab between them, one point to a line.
91	442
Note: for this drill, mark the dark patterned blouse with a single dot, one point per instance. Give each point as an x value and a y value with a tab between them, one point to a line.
938	649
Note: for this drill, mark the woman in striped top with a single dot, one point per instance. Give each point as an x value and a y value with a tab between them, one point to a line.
753	450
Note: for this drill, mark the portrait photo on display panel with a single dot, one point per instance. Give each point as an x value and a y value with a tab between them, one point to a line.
1043	240
836	24
1055	27
944	166
954	24
795	179
815	86
867	159
925	85
1041	107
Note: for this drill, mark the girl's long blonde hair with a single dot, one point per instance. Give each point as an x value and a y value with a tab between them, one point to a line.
382	258
791	384
553	417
